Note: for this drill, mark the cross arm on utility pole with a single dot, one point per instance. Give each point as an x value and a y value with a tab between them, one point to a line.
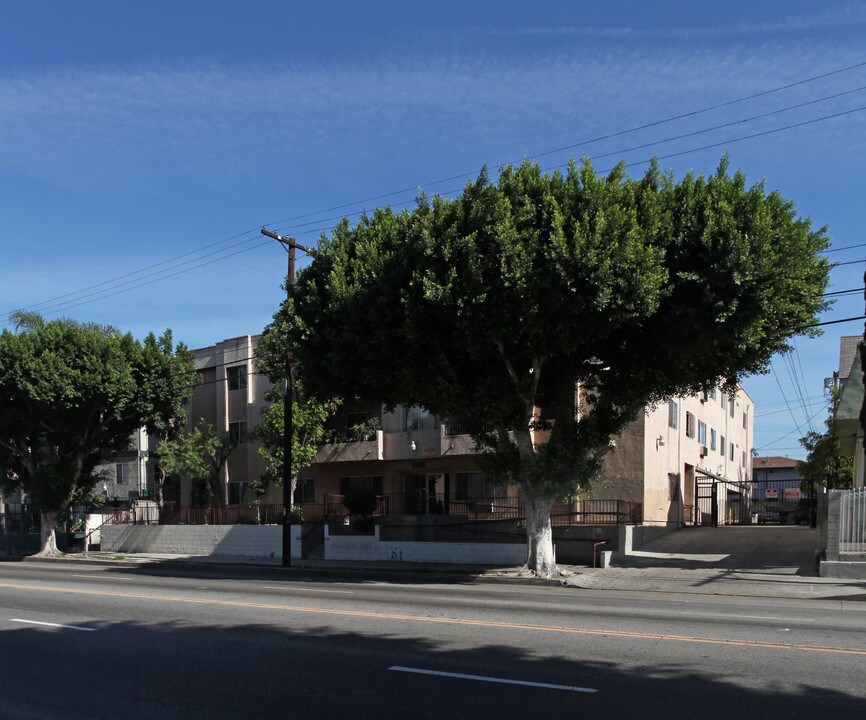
289	242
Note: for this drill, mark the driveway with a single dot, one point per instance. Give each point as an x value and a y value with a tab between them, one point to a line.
778	549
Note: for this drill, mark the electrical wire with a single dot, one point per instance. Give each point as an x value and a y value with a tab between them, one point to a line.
134	284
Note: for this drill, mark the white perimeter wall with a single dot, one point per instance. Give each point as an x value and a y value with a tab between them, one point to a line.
247	540
265	541
369	547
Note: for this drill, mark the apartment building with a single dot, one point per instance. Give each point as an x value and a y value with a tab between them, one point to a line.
230	396
423	464
685	459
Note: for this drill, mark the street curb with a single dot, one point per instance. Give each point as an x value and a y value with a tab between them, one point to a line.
360	573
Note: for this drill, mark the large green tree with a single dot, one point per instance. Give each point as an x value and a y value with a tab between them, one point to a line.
823	464
590	296
200	453
309	413
71	395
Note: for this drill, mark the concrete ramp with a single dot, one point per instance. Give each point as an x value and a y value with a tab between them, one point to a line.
774	549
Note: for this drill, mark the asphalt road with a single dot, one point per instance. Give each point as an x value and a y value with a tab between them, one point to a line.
92	642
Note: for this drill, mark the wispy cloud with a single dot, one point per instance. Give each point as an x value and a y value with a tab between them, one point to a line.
847	16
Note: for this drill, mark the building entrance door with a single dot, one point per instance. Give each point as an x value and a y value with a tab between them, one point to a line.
427	494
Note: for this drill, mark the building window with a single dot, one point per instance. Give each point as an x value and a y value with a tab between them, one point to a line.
238	432
702	432
305	491
732	452
713	392
712	439
724	400
367	482
690	425
746	419
673	414
238	493
122	473
476	486
732	405
673	487
419	418
722	445
236	377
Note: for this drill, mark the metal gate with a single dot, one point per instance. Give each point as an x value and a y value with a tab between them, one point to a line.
783	502
719	501
706	502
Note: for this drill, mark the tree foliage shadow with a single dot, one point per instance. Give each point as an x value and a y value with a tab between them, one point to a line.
177	669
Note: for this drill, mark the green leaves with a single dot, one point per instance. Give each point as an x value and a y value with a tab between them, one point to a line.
72	394
508	297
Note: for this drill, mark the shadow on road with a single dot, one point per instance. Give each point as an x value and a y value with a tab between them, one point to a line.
276	670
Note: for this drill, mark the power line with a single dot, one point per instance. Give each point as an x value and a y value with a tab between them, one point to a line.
134	284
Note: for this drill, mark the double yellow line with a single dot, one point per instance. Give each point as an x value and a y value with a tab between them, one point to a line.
442	621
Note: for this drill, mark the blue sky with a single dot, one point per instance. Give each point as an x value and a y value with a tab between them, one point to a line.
142	145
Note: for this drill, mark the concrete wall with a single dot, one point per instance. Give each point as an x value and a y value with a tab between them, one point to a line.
235	540
369	547
833	563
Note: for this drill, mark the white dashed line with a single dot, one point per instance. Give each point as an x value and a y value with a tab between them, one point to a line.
505	681
54	625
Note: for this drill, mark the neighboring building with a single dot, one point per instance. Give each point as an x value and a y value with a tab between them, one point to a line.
776	473
230	396
848	404
422	464
131	474
688	460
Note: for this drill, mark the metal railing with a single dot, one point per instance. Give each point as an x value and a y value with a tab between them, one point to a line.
596	512
852	522
485	510
447	529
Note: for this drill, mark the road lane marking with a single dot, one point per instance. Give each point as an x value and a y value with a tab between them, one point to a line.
504	681
54	625
443	620
98	577
312	590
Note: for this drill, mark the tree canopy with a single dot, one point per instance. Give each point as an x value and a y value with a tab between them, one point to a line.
310	413
588	296
201	454
71	395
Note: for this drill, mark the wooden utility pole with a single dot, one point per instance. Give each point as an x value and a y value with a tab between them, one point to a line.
288	417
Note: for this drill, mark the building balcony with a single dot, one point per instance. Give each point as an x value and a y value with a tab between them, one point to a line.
446	440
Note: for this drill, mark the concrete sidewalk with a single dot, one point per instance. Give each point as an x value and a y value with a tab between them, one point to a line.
691	580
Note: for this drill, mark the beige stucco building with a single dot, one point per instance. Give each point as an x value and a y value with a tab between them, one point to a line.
422	464
662	457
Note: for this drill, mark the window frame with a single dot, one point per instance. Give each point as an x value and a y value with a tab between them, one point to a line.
236	377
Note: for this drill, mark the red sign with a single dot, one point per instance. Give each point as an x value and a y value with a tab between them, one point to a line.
772	493
792	493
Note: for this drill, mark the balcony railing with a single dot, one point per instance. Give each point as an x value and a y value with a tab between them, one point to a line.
579	512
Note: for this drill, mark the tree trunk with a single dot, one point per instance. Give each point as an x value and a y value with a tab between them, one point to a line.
47	538
539	538
160	497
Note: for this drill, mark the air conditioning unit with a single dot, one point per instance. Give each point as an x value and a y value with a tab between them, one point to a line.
703	450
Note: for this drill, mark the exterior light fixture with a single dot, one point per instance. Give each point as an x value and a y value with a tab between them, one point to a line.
412	446
660	440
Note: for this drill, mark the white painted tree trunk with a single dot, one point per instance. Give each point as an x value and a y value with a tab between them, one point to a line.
47	538
539	538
